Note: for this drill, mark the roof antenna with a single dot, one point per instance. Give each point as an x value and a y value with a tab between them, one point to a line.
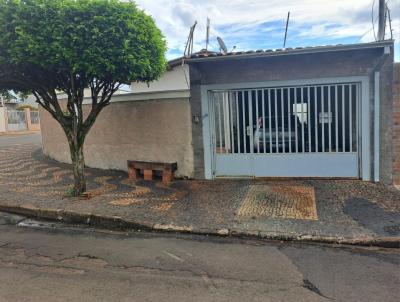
222	46
189	44
287	25
207	33
390	22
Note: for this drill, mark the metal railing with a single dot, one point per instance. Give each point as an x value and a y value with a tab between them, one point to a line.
16	120
34	117
302	119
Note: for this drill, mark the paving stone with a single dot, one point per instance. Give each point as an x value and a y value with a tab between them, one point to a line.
260	206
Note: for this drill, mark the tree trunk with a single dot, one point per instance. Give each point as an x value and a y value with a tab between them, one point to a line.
78	165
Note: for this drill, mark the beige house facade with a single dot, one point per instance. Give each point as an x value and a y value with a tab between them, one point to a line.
150	123
325	111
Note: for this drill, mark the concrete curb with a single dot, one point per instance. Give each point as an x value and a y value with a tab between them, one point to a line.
14	133
118	223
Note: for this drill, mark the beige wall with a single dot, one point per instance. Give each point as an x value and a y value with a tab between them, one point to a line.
157	130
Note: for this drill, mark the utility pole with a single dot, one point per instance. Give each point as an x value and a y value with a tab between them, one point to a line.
381	20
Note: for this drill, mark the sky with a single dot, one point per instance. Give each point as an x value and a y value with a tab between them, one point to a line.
260	24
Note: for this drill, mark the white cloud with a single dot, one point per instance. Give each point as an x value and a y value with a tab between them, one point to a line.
242	22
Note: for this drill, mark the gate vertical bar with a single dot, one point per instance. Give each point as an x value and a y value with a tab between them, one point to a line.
351	116
230	105
336	118
289	122
269	120
302	120
244	123
329	119
212	121
309	119
316	117
295	118
283	122
323	117
219	124
263	118
276	121
237	121
343	120
257	124
226	127
250	104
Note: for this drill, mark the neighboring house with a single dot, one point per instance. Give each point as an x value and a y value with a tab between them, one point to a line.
30	101
305	112
11	104
19	115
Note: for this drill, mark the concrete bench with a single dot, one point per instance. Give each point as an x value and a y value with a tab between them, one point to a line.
167	169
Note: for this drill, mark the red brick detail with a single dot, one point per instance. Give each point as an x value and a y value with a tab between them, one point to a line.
148	174
133	173
167	177
396	123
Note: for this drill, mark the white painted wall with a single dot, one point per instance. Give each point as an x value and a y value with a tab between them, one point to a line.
173	79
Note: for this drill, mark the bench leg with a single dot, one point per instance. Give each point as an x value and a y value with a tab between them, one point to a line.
167	177
133	173
148	174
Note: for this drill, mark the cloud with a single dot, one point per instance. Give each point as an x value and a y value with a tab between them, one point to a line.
255	24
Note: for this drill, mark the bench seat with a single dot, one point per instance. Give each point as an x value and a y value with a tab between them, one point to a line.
167	169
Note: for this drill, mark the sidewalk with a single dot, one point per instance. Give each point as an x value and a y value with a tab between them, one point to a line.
335	211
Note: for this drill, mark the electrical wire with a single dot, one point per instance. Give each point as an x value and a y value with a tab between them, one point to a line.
372	19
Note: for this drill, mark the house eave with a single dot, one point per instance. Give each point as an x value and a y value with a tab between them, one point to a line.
290	51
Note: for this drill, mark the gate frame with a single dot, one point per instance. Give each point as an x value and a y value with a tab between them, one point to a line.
364	138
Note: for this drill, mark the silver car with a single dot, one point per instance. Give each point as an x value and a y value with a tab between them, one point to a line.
274	138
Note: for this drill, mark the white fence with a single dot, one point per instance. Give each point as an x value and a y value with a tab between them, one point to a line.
16	120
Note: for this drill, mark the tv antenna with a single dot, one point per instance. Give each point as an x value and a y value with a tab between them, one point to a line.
390	22
222	46
189	44
287	25
207	33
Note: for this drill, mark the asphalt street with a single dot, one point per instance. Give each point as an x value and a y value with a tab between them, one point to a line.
20	139
53	262
56	263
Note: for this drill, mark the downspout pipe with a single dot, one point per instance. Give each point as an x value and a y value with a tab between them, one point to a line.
377	102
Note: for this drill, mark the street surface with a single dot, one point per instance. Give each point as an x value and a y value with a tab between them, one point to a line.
42	262
69	264
20	139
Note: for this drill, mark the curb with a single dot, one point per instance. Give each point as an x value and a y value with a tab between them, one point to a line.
118	223
14	133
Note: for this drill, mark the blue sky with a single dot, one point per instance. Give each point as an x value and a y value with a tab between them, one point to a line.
260	24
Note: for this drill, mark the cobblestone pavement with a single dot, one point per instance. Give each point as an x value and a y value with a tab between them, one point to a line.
341	208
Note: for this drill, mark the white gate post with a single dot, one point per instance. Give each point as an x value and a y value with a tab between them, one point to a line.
3	121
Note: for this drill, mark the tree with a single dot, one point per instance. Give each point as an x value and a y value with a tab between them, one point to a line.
7	95
52	46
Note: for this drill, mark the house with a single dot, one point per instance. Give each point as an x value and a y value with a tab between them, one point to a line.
323	111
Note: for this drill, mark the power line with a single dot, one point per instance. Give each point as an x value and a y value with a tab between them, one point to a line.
372	18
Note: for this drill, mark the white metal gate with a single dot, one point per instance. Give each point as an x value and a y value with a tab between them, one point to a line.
16	120
299	131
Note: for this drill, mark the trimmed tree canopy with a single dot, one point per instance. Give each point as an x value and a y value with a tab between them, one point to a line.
103	39
48	46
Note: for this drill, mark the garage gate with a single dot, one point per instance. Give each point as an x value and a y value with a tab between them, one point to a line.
299	131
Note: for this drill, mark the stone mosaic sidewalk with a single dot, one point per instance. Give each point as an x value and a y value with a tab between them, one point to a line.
336	209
